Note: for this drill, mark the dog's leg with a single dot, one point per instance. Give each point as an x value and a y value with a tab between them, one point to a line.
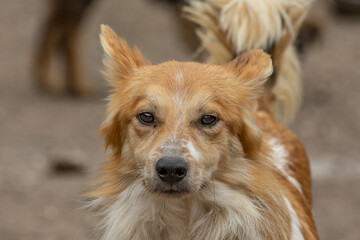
60	36
48	46
75	82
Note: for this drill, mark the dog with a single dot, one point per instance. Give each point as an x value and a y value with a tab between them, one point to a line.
196	152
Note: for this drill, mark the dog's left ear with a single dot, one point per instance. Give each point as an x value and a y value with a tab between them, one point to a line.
252	69
120	59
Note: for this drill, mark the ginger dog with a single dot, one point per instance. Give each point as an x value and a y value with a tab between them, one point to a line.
196	154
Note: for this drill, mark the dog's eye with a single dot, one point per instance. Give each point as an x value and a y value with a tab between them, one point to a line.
146	118
208	120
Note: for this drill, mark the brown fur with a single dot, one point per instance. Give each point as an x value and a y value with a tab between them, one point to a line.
300	169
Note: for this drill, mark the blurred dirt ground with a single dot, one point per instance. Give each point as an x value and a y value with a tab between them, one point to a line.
38	130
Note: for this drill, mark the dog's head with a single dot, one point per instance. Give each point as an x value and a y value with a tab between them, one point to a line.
175	125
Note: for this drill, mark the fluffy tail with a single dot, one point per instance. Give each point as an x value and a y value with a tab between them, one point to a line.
229	27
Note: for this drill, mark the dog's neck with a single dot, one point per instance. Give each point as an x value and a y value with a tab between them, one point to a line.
215	213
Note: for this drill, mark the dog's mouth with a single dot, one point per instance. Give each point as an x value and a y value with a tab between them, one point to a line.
171	190
173	193
167	190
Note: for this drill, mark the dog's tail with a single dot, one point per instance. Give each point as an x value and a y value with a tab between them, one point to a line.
229	27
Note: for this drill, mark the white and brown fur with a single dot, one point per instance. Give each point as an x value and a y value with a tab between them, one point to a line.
248	176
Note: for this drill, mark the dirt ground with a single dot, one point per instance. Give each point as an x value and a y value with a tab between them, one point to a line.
38	130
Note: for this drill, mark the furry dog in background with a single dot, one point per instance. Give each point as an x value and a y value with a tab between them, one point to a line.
227	28
196	151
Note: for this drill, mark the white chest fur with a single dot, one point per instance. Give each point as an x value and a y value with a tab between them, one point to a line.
224	214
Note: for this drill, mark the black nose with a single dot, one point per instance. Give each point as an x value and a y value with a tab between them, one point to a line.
171	169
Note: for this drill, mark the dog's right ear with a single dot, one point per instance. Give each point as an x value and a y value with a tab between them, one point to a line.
120	59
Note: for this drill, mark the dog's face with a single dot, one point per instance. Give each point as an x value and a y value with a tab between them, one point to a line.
175	125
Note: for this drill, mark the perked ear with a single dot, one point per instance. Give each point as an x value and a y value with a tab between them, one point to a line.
252	68
119	56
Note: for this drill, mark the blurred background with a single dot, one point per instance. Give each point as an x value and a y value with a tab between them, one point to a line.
49	145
